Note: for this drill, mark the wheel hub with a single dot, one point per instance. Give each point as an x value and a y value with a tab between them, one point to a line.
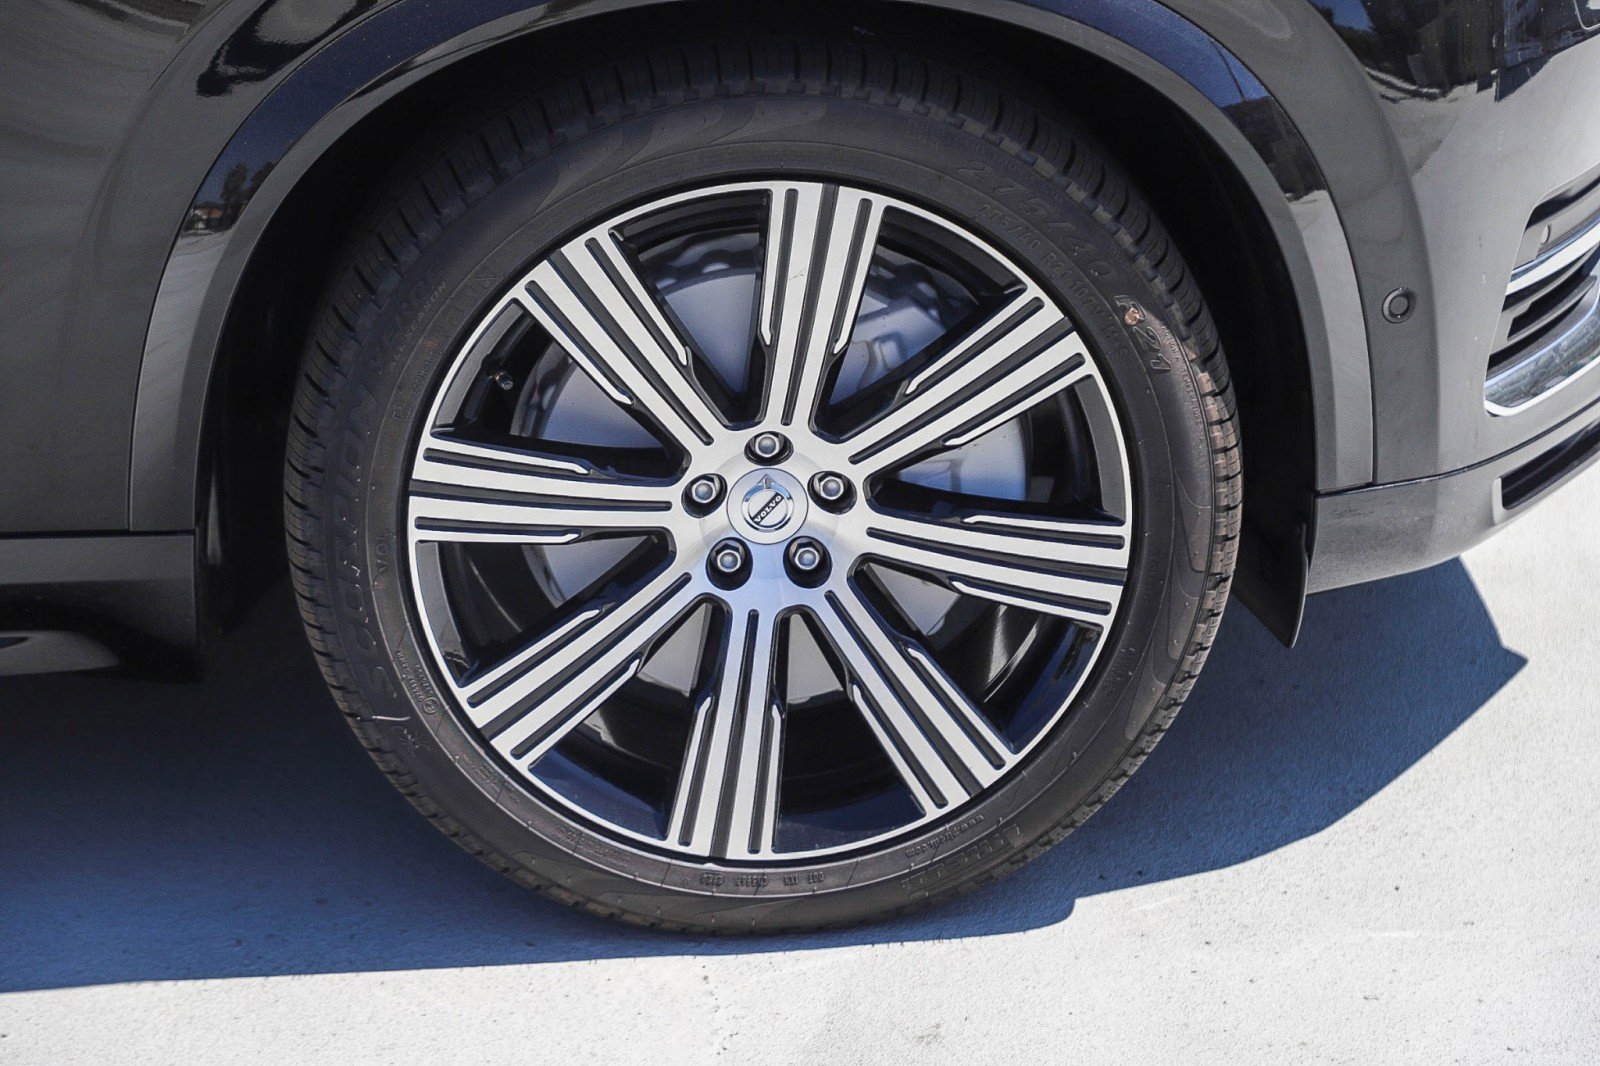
767	506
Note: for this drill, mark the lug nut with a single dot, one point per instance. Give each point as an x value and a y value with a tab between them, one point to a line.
767	446
705	490
728	557
806	555
829	488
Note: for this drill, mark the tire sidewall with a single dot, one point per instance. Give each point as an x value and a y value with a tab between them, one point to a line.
992	188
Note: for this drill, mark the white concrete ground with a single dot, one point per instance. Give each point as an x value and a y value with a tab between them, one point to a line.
1382	847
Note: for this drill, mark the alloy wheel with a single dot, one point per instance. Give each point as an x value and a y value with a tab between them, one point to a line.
767	521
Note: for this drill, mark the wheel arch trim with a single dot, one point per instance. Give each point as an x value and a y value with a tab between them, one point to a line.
351	74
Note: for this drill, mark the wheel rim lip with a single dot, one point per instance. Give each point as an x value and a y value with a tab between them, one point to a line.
827	459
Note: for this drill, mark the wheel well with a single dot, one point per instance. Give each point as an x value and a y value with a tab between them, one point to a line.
1212	214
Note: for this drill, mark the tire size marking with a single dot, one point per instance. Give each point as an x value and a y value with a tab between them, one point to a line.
1040	213
943	837
925	880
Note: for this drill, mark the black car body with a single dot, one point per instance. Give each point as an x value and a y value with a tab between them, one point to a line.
169	169
1269	295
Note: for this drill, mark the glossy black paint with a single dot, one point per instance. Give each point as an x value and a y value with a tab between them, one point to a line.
344	82
146	144
113	112
134	596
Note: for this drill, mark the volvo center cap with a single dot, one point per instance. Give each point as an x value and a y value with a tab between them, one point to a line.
767	506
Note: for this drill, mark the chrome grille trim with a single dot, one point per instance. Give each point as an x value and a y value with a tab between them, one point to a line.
1574	352
1572	250
1548	334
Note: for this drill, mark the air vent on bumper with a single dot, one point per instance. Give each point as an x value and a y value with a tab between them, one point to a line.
1549	329
1533	477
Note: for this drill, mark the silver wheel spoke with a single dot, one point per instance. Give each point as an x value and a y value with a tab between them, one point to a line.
1019	356
1062	541
538	499
593	303
727	796
820	241
1074	570
944	749
526	704
1072	578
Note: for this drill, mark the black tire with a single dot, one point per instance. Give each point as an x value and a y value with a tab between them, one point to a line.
493	191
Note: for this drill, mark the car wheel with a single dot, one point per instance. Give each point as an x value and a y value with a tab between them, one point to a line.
760	486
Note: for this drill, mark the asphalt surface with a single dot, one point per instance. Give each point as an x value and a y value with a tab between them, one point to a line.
1380	847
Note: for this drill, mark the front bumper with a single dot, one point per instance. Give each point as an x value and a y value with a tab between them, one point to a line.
1372	533
1497	402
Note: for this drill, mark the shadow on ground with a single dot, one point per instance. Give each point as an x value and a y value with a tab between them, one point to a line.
154	832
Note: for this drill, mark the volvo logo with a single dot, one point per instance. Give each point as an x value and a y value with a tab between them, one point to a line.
768	506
